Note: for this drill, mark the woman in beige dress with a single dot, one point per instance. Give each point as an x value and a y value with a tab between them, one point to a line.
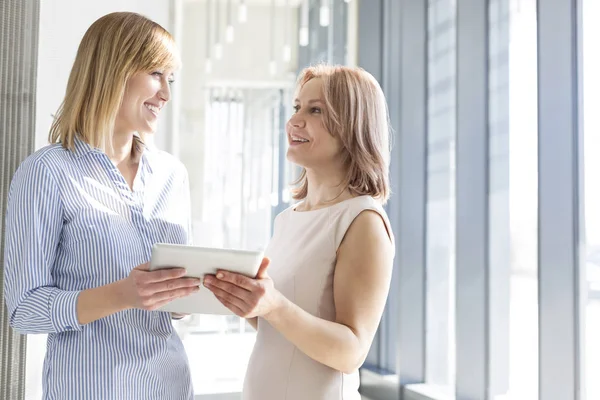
320	293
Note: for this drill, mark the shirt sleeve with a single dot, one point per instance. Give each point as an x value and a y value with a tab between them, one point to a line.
34	220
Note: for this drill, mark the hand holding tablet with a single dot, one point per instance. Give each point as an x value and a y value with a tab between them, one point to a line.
199	261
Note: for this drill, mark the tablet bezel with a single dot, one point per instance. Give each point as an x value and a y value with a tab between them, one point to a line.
199	261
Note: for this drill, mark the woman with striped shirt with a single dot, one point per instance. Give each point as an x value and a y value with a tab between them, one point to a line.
83	215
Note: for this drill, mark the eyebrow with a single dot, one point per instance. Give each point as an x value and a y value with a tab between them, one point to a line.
313	101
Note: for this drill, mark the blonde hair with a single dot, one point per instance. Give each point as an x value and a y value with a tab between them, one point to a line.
114	48
356	112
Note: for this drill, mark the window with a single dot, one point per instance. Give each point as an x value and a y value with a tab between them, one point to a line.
513	199
591	143
441	198
239	164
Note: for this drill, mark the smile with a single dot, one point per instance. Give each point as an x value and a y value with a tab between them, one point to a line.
153	109
298	139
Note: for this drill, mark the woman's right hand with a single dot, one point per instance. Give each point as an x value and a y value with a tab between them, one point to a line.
150	290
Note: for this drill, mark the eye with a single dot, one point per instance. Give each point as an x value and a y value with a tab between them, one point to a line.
315	110
159	74
296	108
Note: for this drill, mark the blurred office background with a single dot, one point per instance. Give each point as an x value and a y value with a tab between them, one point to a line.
495	173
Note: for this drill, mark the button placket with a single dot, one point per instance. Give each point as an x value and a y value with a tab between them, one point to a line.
133	200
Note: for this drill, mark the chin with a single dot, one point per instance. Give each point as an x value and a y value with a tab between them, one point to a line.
149	129
291	157
297	161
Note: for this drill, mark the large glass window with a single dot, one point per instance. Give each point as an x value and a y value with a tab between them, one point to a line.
234	200
441	198
591	147
513	199
234	146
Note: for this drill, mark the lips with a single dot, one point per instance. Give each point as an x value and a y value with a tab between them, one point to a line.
298	139
153	108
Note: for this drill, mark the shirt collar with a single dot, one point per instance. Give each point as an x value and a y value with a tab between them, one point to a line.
83	148
147	159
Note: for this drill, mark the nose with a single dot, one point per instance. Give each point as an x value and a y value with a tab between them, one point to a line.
165	91
296	121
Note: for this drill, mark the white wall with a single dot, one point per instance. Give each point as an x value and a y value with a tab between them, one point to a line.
62	25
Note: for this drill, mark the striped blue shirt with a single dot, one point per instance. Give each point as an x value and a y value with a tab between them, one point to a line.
72	224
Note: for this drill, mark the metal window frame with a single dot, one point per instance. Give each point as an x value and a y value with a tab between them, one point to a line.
472	203
390	79
410	173
560	273
370	57
560	189
379	52
441	64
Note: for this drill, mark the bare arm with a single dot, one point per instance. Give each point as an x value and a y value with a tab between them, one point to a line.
142	289
361	283
94	304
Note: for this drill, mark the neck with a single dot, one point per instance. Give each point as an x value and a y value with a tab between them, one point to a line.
121	148
324	188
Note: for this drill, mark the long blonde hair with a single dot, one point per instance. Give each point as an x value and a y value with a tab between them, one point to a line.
357	113
114	48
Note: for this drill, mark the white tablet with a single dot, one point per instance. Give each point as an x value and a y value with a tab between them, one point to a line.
199	261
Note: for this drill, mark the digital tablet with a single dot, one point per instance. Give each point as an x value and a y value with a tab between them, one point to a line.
199	261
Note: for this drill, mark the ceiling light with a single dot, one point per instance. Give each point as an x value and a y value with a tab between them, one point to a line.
243	12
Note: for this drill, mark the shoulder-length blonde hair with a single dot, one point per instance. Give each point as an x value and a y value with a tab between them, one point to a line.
114	48
357	113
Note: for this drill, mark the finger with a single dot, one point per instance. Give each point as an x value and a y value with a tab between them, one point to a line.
143	267
171	295
262	270
164	298
236	279
232	298
234	290
166	274
235	309
161	303
171	284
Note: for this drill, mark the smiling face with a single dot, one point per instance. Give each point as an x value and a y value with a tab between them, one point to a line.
145	95
311	144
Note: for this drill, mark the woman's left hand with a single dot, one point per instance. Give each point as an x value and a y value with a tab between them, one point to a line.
246	297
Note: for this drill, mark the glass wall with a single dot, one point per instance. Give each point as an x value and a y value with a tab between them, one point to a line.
591	147
235	103
326	25
235	97
243	183
441	197
240	174
513	198
524	331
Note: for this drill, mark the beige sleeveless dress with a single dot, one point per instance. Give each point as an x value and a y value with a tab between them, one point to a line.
303	256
